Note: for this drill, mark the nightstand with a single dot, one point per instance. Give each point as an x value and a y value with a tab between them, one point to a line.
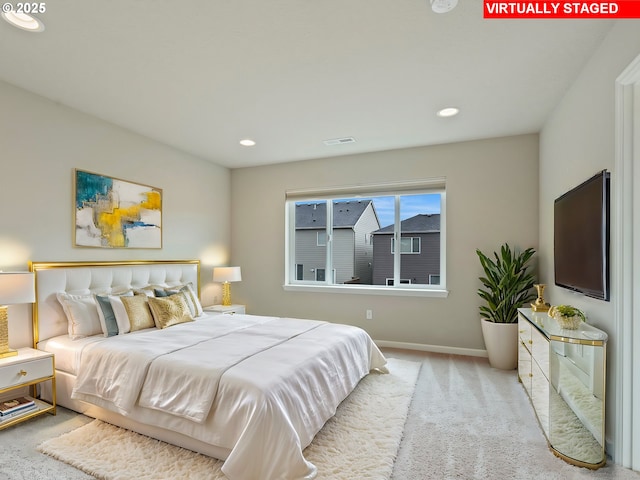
222	310
29	368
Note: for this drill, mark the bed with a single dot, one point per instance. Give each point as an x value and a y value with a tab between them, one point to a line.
250	390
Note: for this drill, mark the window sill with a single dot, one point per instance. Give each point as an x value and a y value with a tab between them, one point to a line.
368	290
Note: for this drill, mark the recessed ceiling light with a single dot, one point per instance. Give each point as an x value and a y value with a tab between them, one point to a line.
23	21
247	142
443	6
448	112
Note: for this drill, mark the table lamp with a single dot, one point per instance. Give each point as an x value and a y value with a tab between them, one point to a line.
15	288
225	275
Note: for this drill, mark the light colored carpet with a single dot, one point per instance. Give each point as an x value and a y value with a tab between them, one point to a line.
469	421
361	441
466	421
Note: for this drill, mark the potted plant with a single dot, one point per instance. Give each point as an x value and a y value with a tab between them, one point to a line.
567	316
507	286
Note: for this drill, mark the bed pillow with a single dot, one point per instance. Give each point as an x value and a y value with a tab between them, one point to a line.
197	307
122	319
138	312
106	316
190	297
82	314
171	310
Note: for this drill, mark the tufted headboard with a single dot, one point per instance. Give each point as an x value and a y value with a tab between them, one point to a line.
98	277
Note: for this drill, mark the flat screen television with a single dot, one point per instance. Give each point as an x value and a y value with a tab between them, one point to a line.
581	237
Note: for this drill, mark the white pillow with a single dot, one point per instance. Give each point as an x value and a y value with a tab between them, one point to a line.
119	310
82	314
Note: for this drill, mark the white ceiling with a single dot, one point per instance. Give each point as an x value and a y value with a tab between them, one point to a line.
200	75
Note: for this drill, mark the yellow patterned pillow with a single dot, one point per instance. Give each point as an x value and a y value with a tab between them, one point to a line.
171	310
138	312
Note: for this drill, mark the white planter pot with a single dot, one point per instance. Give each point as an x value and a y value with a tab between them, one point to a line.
501	341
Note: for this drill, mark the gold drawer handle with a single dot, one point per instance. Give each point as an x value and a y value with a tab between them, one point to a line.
22	373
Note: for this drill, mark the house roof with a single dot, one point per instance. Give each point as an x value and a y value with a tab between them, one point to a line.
314	214
421	223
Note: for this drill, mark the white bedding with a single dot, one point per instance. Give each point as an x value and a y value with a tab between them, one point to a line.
263	386
67	351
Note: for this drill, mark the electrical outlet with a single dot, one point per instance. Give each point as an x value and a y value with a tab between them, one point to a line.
369	314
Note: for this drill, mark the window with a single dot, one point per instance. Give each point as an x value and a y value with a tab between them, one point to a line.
352	233
407	245
321	239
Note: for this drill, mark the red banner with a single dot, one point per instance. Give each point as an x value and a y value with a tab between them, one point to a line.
562	9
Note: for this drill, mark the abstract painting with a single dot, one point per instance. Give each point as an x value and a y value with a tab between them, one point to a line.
114	213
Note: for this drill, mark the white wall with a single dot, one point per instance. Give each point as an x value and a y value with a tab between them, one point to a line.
492	198
577	141
42	142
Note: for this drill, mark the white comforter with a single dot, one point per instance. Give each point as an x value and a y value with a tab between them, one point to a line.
260	387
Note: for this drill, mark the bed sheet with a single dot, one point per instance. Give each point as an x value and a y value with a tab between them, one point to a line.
268	407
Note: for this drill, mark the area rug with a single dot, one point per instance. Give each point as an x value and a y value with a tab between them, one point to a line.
361	441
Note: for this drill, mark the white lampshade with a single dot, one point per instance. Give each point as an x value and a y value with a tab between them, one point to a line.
17	287
227	274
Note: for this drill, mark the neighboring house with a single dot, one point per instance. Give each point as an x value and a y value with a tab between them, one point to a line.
420	248
353	222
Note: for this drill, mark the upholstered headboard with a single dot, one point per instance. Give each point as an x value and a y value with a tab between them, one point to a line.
80	278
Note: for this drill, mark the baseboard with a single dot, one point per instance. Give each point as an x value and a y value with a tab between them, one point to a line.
469	352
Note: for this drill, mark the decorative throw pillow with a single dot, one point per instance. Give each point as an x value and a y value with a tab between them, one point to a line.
189	295
122	319
106	316
197	307
171	310
82	314
144	291
138	312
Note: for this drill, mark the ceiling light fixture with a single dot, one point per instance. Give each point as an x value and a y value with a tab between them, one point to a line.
448	112
23	21
247	142
443	6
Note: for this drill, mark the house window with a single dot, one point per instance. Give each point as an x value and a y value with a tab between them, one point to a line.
407	245
321	240
352	234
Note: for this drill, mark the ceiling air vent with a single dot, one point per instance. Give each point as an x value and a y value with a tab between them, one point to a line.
340	141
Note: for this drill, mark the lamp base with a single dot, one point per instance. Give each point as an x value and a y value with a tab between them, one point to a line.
9	353
226	294
5	351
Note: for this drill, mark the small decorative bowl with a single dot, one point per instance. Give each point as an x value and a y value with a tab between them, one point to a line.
570	323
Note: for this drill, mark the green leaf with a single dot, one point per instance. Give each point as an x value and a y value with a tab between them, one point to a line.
508	283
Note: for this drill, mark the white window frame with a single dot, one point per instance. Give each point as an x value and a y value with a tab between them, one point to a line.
435	185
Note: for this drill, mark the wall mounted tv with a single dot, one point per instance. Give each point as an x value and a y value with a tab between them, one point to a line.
581	237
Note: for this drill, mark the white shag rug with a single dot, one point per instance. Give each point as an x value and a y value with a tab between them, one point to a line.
361	441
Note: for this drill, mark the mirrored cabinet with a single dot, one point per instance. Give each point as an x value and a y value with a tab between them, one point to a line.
563	373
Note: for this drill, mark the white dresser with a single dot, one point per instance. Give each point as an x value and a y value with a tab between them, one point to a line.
563	373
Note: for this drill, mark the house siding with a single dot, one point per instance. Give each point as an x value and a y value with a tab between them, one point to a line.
366	224
309	254
413	267
343	254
